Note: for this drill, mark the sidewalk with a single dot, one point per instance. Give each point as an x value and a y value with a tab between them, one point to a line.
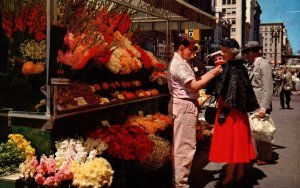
284	173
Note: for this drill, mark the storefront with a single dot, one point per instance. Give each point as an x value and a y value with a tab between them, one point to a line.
74	74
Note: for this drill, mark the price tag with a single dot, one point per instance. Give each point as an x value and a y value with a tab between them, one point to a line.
105	123
80	101
141	113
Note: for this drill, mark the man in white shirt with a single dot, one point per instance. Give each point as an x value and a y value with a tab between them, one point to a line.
184	88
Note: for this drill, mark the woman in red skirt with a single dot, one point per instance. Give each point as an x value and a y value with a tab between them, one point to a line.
232	140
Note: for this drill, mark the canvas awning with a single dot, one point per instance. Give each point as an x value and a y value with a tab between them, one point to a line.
171	10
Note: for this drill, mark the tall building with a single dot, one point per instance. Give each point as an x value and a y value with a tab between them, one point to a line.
253	12
235	12
256	14
274	41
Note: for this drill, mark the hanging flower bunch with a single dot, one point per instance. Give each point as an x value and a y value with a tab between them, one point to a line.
34	50
160	155
148	59
128	143
29	19
81	48
125	58
92	25
96	172
46	172
122	62
23	144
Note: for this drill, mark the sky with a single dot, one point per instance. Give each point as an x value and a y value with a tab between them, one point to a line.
286	11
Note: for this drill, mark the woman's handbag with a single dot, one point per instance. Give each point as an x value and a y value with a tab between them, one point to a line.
262	128
288	87
211	111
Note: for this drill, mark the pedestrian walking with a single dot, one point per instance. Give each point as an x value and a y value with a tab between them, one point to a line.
184	88
286	88
260	75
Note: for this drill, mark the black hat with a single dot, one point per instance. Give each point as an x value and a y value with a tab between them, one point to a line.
252	46
230	43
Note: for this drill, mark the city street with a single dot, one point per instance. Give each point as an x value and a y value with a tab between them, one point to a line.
284	172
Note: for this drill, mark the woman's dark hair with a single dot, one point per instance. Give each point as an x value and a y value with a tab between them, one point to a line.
182	39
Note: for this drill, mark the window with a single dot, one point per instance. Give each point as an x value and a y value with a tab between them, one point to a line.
233	30
233	22
228	1
266	34
266	44
265	50
233	12
224	11
233	2
224	2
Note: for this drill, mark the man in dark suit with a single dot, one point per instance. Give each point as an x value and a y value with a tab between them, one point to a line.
260	74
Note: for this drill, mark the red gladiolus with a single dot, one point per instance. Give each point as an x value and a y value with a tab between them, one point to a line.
145	59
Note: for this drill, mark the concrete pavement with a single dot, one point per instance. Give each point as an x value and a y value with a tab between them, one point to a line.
284	172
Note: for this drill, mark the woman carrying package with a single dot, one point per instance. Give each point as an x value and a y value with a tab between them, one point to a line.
184	88
232	140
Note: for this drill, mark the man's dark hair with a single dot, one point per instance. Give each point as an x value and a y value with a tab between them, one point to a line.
182	39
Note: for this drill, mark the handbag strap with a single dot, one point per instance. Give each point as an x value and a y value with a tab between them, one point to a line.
212	99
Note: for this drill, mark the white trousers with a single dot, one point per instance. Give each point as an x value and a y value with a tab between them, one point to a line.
185	114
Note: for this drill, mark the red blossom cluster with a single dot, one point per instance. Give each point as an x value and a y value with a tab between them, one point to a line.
127	143
108	23
145	59
29	19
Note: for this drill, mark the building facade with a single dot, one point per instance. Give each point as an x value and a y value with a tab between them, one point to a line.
274	41
235	12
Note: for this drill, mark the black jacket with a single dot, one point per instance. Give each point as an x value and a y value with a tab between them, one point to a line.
234	87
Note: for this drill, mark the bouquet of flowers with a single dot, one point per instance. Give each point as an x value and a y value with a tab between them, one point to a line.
78	150
46	172
160	155
33	49
10	158
22	144
96	172
128	143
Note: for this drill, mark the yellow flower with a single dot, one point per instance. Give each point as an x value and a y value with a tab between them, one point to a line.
93	173
23	144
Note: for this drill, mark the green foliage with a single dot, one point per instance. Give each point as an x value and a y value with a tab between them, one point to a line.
10	158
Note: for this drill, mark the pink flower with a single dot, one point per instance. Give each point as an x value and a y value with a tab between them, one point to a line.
50	181
39	179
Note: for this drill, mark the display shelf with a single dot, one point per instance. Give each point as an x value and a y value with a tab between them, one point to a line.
90	108
30	115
